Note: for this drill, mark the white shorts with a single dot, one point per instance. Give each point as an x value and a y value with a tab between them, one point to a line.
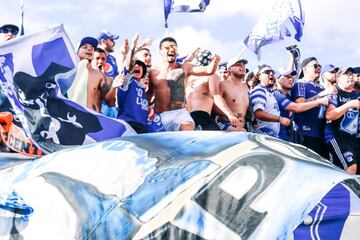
173	119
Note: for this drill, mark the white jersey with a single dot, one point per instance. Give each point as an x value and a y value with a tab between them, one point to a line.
262	98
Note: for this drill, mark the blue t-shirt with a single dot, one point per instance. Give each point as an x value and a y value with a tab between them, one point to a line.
347	124
113	69
132	102
262	98
309	123
283	102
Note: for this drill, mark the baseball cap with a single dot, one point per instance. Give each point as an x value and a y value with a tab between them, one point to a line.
329	68
283	72
105	34
304	63
343	70
235	60
223	65
14	28
88	40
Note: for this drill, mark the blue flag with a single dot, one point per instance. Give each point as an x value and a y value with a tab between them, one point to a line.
183	6
31	69
275	25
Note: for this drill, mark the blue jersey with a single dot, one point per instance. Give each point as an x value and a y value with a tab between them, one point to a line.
132	103
262	98
113	69
308	121
347	125
283	102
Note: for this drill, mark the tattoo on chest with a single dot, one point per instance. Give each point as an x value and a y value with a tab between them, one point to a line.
176	84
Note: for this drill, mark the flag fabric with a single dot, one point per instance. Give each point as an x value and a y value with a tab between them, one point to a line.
22	32
275	25
33	72
180	185
183	6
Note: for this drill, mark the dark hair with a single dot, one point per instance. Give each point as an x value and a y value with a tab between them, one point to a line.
100	50
167	39
143	48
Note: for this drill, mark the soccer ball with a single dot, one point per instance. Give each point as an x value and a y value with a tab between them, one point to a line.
202	57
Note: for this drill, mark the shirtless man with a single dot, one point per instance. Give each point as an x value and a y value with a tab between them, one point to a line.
236	95
97	86
201	93
168	84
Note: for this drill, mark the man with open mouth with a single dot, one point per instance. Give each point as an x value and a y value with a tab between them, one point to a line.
168	82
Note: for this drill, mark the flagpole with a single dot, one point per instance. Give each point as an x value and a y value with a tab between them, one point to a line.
22	32
242	52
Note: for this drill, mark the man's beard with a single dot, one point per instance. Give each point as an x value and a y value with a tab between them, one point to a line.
357	85
109	49
239	75
270	85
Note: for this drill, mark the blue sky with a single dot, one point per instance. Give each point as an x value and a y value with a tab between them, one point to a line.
331	27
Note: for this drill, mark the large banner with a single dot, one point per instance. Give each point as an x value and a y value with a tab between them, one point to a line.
180	185
34	72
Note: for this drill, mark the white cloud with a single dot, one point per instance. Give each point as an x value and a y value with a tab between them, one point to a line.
189	38
229	8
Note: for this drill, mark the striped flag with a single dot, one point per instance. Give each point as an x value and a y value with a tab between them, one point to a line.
276	24
183	6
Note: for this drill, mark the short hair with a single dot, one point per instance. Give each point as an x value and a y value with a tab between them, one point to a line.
167	39
100	50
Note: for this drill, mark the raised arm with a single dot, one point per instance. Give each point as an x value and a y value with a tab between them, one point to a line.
202	70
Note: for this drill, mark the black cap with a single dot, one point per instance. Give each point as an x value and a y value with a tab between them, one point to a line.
10	26
304	63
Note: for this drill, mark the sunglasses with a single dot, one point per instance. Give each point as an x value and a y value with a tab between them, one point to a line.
9	30
268	72
317	65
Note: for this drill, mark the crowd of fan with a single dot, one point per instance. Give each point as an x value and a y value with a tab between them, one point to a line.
311	105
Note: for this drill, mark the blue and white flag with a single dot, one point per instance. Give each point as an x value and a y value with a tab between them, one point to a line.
30	71
276	24
183	6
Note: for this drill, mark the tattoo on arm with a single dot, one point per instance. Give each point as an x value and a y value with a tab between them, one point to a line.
104	89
